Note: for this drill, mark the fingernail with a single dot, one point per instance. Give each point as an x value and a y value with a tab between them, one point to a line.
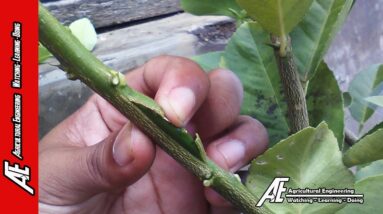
122	147
182	101
233	152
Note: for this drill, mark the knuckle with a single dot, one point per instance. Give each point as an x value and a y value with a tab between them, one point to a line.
232	84
182	62
157	62
231	109
173	61
160	58
260	136
252	123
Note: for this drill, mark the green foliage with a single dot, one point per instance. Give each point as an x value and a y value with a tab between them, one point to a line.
371	188
325	102
311	158
312	37
83	30
259	74
367	83
376	100
353	3
374	129
368	149
347	99
44	54
264	98
212	7
209	61
194	146
375	168
278	17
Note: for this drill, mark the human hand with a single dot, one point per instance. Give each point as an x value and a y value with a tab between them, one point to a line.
96	161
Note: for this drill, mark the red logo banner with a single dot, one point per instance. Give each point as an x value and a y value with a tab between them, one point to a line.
19	108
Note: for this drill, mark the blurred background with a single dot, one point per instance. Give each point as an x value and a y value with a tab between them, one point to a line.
130	32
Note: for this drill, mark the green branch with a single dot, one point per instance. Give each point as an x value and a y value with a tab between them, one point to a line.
80	64
294	91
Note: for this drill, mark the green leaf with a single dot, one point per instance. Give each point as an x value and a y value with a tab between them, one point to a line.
374	129
253	61
368	149
375	168
377	100
212	7
325	102
44	54
347	99
312	37
278	17
311	158
84	31
364	85
178	134
371	188
353	3
209	61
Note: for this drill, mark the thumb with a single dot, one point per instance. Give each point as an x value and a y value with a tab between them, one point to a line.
75	174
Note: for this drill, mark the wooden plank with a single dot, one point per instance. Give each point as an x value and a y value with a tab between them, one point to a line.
127	48
105	13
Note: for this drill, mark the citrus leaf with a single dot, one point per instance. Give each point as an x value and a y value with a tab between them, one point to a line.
44	54
312	37
325	102
368	149
353	3
372	196
365	84
375	168
209	61
377	100
212	7
84	31
278	17
347	99
374	129
253	61
311	159
178	134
